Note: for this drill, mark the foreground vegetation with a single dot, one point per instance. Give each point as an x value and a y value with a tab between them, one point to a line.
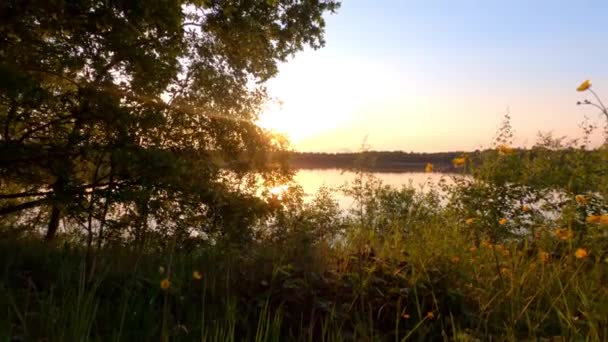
131	208
516	249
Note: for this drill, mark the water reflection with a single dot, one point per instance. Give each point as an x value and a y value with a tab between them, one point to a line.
278	190
312	180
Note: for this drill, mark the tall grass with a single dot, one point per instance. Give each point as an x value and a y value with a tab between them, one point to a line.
431	283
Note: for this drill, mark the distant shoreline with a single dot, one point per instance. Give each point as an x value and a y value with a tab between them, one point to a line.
410	168
376	161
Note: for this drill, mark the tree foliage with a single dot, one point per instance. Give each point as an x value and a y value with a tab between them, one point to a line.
131	114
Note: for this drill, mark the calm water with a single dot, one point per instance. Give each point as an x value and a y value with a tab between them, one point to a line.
312	180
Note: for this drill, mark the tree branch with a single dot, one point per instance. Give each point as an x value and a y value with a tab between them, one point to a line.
22	206
25	194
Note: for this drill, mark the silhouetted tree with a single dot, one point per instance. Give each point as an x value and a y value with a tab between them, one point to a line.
141	109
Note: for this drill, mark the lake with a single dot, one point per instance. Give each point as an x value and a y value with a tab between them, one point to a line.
313	179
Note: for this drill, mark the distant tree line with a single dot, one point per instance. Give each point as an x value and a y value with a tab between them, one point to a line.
374	160
400	161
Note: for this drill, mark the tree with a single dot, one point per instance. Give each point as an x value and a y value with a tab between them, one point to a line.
126	113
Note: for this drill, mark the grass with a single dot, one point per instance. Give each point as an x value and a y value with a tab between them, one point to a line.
431	284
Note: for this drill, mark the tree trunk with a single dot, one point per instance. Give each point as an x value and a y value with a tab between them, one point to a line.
63	169
51	231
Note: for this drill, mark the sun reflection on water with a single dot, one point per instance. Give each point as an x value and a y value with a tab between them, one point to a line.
278	190
312	180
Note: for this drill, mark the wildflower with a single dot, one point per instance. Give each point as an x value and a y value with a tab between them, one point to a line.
580	199
581	253
197	275
584	86
473	249
460	161
486	244
564	234
165	284
543	257
504	150
430	315
503	221
161	270
455	259
505	271
604	219
469	221
405	316
525	208
428	168
594	218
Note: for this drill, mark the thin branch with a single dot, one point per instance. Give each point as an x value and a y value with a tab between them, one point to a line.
22	206
25	194
192	23
39	128
82	190
598	100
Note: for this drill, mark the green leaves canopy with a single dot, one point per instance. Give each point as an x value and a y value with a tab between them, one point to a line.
112	106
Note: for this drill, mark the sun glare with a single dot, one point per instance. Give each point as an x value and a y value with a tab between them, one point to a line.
299	121
309	108
277	190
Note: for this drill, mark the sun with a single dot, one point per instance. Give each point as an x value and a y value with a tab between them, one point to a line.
298	121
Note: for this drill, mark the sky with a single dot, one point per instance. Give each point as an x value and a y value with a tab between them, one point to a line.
438	75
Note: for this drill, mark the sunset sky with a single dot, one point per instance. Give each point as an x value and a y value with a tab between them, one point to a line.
437	75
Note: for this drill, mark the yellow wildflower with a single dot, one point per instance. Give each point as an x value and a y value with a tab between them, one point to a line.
165	284
594	218
430	315
505	271
525	208
584	86
543	257
469	221
581	253
197	275
504	150
428	168
503	221
473	249
580	199
564	234
460	161
455	259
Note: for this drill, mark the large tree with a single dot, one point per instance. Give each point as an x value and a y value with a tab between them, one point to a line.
119	113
